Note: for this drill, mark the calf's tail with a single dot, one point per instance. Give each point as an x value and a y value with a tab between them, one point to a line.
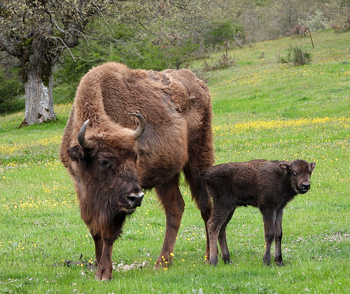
203	200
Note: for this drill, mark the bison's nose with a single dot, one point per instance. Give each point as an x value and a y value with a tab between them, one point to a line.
135	199
305	186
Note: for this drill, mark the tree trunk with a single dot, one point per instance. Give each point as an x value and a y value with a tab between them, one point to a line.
38	101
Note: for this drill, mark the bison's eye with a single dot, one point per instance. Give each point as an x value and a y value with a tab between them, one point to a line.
294	173
103	163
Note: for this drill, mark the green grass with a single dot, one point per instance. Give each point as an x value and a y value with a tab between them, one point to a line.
262	109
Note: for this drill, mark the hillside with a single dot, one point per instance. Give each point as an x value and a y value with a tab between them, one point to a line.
262	88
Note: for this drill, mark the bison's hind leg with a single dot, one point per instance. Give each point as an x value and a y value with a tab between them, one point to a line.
170	196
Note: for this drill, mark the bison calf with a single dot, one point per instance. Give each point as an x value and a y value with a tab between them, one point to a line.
268	185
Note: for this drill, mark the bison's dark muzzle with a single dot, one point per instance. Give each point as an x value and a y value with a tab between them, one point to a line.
135	200
131	202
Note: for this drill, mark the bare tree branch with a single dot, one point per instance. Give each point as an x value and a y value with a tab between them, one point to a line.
65	45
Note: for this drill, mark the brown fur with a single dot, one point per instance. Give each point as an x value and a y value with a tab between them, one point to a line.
177	109
268	185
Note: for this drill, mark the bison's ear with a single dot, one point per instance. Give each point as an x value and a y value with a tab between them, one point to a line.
312	165
75	153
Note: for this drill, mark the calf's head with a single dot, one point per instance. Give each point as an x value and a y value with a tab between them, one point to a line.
104	165
299	173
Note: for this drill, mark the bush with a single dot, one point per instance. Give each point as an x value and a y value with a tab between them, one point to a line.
221	32
221	63
124	45
10	90
315	21
128	46
296	56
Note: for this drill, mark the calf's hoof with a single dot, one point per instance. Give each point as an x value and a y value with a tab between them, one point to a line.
280	263
213	260
266	262
227	259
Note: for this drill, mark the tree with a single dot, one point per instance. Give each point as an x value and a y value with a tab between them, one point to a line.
36	32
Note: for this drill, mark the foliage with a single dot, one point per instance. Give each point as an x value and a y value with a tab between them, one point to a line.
224	61
315	21
36	32
296	56
221	32
10	88
127	44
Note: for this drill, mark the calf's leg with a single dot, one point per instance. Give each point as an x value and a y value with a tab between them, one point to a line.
173	203
222	240
278	238
206	215
218	218
269	216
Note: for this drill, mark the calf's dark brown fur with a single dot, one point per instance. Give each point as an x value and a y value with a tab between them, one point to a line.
268	185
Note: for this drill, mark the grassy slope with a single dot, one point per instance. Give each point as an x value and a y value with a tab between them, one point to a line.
262	109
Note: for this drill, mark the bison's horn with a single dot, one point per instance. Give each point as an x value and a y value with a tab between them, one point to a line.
88	144
140	129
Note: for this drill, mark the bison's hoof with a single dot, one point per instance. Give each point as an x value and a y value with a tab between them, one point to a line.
103	278
161	264
280	263
103	275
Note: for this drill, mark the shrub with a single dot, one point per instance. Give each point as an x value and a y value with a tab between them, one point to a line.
221	63
296	56
10	90
315	21
221	32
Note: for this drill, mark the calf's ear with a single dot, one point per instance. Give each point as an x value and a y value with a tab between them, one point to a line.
284	166
312	165
75	153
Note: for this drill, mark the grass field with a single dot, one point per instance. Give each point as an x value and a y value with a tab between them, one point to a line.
262	109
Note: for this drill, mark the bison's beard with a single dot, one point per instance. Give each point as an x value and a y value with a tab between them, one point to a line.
127	210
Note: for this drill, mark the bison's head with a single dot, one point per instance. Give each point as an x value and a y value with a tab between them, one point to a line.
299	174
104	166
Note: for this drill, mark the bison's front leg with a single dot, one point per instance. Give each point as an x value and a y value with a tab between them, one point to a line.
104	271
104	248
278	238
269	216
98	247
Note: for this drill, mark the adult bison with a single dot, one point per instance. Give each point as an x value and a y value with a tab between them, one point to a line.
268	185
112	155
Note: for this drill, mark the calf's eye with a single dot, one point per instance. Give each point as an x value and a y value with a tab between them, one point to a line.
103	163
294	173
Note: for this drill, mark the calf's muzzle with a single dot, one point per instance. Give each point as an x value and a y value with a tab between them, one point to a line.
304	187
